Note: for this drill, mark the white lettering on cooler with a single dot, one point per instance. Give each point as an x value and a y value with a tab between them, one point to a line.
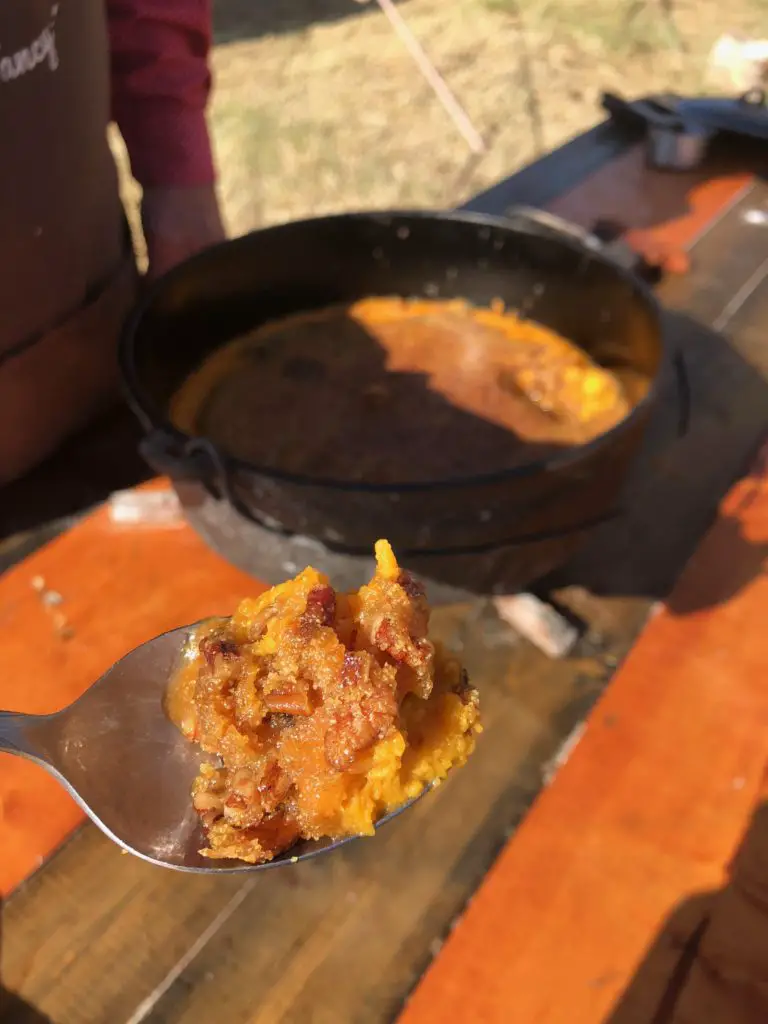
41	51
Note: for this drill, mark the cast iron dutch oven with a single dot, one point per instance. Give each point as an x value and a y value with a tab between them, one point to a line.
483	534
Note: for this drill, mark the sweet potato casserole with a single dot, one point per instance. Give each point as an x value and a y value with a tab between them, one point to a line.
433	389
324	711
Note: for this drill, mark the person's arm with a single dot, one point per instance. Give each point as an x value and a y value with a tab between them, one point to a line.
160	87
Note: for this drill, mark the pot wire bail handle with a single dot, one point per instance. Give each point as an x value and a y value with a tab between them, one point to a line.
199	459
204	446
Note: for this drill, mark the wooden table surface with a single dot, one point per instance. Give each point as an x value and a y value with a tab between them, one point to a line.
96	936
617	901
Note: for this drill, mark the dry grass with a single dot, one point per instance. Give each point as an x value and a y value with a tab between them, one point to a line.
318	107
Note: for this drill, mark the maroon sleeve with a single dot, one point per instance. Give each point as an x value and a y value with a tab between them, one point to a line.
160	87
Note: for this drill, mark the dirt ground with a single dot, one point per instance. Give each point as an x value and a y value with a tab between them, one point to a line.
319	107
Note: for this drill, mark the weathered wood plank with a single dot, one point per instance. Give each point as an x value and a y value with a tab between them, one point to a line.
97	929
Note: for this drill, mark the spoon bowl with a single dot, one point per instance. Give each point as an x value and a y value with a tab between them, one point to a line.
130	768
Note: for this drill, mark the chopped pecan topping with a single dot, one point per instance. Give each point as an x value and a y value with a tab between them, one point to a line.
386	639
288	702
413	587
310	722
321	607
274	787
355	669
368	718
347	739
212	647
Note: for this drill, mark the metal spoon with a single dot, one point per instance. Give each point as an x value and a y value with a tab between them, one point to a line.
130	769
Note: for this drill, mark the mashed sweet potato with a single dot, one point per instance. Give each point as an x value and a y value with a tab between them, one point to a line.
324	711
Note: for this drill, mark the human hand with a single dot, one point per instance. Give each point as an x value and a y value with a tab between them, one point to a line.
178	222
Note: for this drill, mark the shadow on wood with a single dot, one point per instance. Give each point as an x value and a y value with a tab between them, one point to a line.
710	960
14	1009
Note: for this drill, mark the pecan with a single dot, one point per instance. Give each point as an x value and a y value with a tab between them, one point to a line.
385	638
242	813
205	800
355	669
275	833
380	707
209	818
288	702
349	737
401	646
413	587
274	787
355	732
321	606
243	784
212	647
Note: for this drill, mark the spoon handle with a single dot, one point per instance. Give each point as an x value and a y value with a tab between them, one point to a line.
12	738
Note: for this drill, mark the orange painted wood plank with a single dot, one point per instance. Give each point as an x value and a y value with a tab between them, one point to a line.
121	585
705	202
663	208
646	813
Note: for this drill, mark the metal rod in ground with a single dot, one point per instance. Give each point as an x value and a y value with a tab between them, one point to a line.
440	87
